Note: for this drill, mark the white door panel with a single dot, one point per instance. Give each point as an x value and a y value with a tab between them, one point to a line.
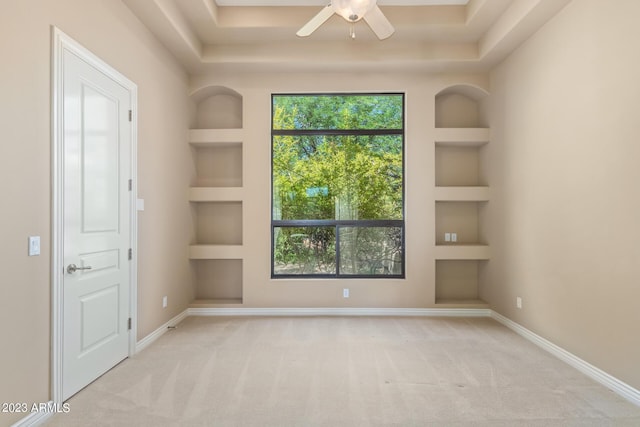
100	147
97	229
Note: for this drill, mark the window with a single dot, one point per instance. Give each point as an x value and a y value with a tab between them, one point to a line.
337	185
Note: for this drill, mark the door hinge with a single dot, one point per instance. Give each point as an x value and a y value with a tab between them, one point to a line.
130	184
129	324
130	115
130	254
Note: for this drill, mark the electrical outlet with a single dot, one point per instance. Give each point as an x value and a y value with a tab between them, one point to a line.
447	237
164	301
518	302
345	293
454	237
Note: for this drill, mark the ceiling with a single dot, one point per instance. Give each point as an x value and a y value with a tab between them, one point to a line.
260	35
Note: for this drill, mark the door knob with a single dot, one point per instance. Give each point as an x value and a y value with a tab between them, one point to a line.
72	268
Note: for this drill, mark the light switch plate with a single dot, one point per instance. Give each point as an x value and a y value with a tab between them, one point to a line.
447	237
140	204
454	237
34	245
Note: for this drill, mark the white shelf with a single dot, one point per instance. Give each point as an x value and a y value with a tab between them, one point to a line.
462	194
462	252
465	137
215	194
216	303
216	252
461	303
216	136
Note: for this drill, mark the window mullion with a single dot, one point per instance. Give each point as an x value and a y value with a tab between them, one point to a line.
337	250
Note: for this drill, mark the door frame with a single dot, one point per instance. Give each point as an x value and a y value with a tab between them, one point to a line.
60	42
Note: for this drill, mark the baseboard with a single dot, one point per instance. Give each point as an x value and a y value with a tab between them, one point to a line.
346	311
35	418
149	339
619	387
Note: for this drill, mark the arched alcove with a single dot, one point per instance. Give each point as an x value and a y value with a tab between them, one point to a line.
217	197
459	106
217	107
462	194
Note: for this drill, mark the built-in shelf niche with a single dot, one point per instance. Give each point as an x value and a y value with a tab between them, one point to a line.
216	197
218	223
461	218
218	107
461	195
459	166
218	165
218	281
460	106
457	283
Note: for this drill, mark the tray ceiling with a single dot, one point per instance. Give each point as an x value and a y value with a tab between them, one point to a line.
241	35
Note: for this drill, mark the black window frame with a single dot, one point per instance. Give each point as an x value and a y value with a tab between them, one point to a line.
337	224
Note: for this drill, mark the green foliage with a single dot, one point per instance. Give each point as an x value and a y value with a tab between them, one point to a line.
337	177
339	112
305	250
370	250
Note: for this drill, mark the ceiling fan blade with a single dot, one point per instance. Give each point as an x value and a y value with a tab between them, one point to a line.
379	23
316	21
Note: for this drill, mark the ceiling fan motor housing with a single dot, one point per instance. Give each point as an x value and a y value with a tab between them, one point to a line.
352	10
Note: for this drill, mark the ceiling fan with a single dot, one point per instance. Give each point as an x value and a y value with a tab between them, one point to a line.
352	11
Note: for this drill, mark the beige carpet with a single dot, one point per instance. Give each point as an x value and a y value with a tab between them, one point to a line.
345	371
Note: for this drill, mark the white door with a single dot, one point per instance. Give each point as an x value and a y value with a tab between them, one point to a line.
96	234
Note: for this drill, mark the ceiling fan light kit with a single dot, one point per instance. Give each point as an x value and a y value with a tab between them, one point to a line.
352	11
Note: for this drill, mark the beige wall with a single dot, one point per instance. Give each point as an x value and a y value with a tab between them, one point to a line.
258	290
563	166
165	168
